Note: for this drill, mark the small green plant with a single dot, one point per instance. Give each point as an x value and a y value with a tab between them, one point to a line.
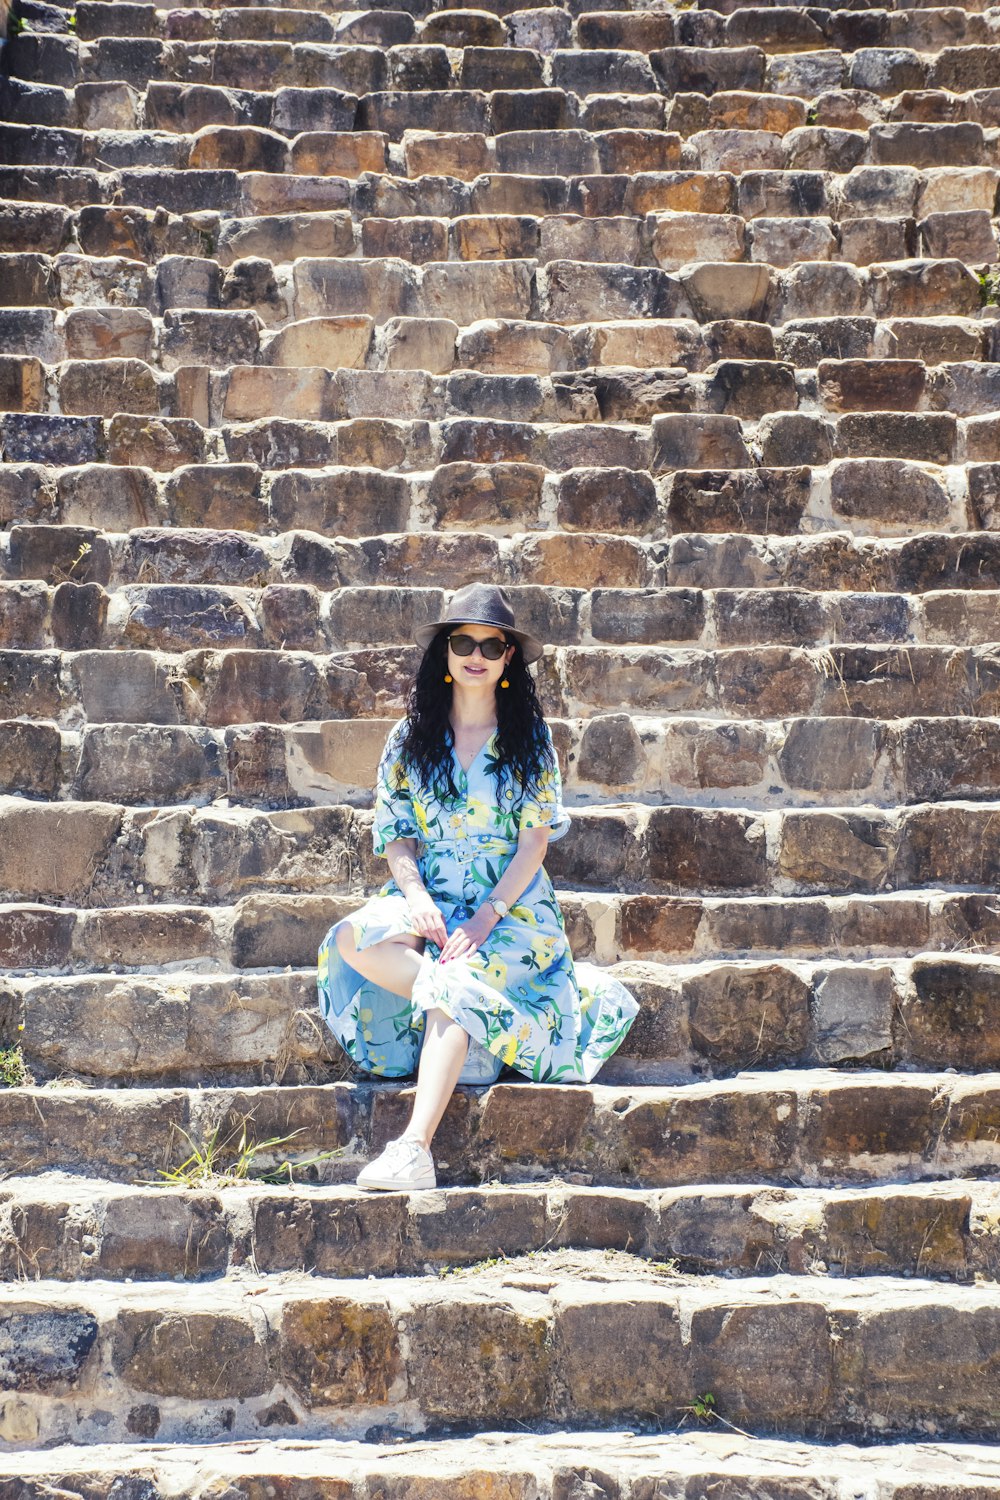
704	1408
811	115
989	287
13	1073
229	1158
71	20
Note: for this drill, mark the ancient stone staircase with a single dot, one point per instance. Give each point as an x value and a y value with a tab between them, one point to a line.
682	323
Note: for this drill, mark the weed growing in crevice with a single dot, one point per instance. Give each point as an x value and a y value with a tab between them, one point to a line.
223	1159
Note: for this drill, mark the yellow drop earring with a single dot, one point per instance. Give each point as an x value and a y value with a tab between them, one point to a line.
447	677
504	682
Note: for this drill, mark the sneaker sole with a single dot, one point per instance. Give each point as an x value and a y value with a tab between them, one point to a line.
388	1185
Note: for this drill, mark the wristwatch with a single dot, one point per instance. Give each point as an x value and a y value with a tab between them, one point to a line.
500	907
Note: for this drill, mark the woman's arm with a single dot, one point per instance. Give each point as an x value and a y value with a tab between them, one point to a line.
427	918
527	861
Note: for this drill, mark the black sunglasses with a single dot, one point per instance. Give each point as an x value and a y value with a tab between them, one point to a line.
464	645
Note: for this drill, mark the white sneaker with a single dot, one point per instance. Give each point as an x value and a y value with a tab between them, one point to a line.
403	1164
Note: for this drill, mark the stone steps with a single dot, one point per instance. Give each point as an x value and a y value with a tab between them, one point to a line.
179	212
197	50
703	143
322	1357
96	853
220	687
811	1127
949	348
172	614
271	931
854	406
697	1021
488	502
538	1466
563	292
682	324
667	443
708	762
69	1229
634	30
795	96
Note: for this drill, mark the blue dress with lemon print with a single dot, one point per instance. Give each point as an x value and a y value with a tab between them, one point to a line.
520	995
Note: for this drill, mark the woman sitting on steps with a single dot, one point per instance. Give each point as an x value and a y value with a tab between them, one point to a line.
462	957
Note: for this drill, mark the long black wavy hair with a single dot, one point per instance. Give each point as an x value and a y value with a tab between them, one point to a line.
523	750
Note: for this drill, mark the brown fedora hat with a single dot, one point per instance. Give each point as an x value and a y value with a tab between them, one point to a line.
482	604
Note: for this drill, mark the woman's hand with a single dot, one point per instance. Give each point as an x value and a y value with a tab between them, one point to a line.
469	935
428	920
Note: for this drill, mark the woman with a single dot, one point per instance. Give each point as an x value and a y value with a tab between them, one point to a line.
462	956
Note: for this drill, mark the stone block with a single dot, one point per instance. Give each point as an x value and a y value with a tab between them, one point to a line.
607	500
681	238
506	68
630	149
806	74
469	495
54	852
46	1349
887	70
694	848
505	347
252	393
29	759
181	1354
281	238
784	242
753	500
108	332
817	289
717	290
642	344
508	1375
532	109
784	195
838	852
853	1011
588	1321
377	289
689	441
466	293
238	149
682	192
707	70
880	191
958	190
949	1014
597	71
417	344
925	437
160	444
427	153
493	237
568	237
736	150
751	388
323	343
328	110
968	237
865	241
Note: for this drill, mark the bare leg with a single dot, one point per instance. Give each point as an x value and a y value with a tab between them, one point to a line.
441	1059
393	963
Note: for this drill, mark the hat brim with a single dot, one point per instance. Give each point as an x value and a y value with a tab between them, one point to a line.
531	646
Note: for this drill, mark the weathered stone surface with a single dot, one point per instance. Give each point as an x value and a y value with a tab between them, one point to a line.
45	1349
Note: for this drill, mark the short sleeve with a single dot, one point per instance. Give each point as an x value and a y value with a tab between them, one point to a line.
543	808
394	813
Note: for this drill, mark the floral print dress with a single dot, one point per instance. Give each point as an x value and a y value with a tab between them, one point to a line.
520	995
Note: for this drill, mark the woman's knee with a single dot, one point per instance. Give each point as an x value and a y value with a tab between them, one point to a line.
348	948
